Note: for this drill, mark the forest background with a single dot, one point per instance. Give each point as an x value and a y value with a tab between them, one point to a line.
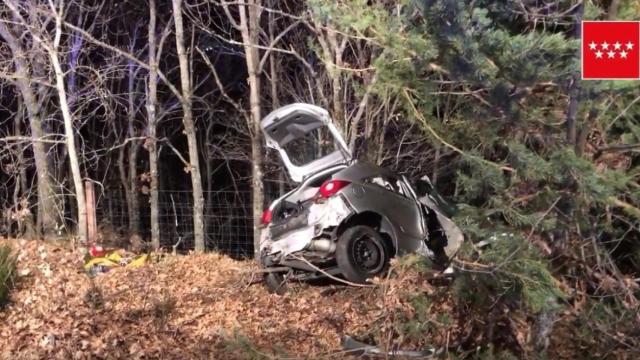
484	97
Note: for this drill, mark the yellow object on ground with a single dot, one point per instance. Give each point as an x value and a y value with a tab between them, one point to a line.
100	261
112	260
138	261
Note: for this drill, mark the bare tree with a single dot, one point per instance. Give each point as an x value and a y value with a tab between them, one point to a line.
151	143
249	28
333	45
49	217
189	129
129	174
248	25
13	148
52	50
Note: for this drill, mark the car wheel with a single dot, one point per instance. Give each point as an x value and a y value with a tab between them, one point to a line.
275	282
361	254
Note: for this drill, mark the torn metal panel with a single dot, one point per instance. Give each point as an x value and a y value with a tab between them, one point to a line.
328	214
423	250
454	235
295	241
355	347
321	216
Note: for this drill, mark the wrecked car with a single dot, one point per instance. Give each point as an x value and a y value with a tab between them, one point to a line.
346	218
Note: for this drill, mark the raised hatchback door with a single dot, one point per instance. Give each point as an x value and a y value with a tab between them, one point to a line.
305	138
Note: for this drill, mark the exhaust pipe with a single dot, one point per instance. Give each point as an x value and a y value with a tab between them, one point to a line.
322	245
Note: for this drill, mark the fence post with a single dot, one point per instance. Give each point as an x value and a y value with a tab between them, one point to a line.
92	226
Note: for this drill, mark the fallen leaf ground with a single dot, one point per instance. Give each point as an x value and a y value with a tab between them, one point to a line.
196	306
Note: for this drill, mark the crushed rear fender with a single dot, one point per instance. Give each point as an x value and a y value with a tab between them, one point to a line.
320	216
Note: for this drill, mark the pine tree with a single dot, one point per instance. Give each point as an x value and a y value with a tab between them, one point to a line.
496	85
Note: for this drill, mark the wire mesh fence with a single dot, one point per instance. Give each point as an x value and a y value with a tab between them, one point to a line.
228	219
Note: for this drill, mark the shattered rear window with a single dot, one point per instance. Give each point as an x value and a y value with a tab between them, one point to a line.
314	145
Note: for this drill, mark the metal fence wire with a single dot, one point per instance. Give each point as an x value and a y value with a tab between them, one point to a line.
228	220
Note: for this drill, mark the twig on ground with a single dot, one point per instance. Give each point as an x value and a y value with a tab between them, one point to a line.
329	275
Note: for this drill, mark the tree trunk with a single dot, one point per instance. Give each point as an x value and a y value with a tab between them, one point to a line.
209	173
69	134
134	203
190	130
273	61
122	170
150	144
134	210
273	74
612	13
20	178
574	87
332	52
49	215
249	23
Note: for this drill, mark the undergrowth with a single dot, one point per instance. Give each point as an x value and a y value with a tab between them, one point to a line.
7	272
510	269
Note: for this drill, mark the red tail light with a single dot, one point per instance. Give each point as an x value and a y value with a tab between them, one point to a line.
266	217
331	187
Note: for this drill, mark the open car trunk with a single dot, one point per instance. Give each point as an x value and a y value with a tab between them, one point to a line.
305	138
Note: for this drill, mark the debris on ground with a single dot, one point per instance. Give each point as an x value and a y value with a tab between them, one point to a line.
203	306
355	347
193	306
101	260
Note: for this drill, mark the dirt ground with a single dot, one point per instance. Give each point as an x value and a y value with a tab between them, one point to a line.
194	306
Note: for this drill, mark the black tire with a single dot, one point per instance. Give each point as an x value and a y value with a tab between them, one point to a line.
275	282
362	254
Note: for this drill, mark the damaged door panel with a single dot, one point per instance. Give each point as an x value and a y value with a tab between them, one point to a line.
346	217
443	230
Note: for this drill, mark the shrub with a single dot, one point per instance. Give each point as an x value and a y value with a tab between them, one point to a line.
514	271
7	272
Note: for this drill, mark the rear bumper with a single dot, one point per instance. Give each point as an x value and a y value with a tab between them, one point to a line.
320	217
